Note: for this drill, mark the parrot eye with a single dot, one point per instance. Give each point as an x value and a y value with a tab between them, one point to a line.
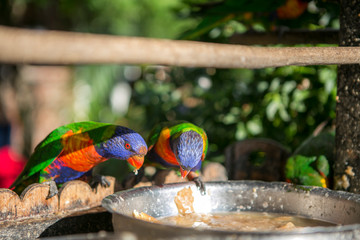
127	146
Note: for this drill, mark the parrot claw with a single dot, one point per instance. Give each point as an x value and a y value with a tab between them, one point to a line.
53	189
99	179
200	185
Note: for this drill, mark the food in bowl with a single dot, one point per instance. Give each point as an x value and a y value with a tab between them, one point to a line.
233	221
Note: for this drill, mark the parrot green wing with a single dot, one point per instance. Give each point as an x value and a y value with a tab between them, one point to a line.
48	149
322	164
305	170
311	162
297	165
155	132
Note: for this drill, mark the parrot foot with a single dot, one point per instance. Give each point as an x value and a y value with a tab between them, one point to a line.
53	189
99	179
200	185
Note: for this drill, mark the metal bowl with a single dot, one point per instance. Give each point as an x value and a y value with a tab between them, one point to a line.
338	207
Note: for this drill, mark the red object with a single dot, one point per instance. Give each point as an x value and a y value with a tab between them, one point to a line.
11	164
292	9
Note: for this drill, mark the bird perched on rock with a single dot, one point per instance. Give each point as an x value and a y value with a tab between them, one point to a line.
181	145
311	163
71	151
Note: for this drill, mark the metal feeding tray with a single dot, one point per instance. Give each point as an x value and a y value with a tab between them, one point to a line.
337	207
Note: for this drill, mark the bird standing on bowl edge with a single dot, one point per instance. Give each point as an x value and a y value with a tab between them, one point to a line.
181	145
71	151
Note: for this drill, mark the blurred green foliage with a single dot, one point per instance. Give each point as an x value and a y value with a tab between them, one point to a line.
285	104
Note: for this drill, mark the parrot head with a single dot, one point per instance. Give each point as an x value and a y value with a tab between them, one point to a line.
125	144
188	149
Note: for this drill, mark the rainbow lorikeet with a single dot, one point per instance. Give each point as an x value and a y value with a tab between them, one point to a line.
311	162
310	171
71	151
178	144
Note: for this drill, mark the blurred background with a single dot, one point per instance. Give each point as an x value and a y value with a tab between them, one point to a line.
285	104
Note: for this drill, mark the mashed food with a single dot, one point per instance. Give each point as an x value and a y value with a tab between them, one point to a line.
233	221
242	221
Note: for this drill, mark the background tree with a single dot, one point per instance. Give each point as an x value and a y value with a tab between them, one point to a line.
285	104
348	108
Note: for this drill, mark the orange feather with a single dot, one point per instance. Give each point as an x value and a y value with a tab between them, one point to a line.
79	152
162	147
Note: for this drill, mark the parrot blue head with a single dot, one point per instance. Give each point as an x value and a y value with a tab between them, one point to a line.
188	149
125	144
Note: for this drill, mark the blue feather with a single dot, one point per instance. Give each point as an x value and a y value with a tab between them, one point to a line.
188	148
115	147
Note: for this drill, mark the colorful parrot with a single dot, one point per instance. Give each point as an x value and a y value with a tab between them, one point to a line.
311	163
71	151
181	145
311	171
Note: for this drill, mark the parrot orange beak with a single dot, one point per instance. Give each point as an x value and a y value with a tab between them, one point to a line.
136	161
184	173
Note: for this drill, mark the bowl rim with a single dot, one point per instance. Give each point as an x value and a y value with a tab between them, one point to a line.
114	198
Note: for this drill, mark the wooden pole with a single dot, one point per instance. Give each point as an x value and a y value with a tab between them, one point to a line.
347	164
56	47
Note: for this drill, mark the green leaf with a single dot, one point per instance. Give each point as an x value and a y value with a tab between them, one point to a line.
271	110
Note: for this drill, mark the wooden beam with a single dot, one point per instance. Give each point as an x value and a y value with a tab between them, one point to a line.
56	47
